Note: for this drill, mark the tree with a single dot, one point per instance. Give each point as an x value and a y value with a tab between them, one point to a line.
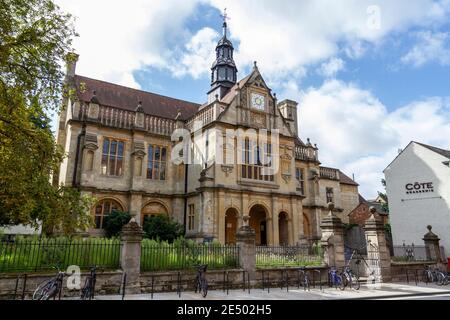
383	195
115	221
35	36
163	228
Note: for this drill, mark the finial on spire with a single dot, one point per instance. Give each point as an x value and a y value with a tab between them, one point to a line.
225	18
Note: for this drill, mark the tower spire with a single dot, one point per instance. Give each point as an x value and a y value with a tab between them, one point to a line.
223	71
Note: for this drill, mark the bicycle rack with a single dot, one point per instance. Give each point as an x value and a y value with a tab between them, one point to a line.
179	284
153	282
320	278
60	287
124	283
226	281
24	284
263	272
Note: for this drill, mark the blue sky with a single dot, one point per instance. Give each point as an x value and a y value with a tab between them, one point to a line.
369	76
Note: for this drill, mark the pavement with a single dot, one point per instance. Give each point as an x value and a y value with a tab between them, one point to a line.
385	291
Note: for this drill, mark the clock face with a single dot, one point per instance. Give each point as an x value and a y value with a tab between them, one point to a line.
258	101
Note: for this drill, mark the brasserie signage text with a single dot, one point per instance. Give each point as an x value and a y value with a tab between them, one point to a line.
419	187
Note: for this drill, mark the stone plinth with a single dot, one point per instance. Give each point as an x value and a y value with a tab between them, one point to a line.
432	247
245	239
130	254
332	240
379	258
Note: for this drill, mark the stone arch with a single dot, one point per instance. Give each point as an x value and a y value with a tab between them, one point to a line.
283	228
103	208
231	225
258	222
153	208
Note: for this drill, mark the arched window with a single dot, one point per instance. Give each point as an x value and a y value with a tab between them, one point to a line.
153	209
104	208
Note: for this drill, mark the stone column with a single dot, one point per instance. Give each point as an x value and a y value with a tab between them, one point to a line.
130	255
221	216
432	247
274	215
379	258
333	239
245	239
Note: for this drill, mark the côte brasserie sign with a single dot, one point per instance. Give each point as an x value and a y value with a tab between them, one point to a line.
417	187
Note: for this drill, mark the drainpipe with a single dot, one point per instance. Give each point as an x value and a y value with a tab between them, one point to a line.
78	157
186	168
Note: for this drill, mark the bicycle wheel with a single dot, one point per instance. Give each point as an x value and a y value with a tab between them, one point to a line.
41	290
197	284
204	288
355	282
340	282
440	278
51	292
86	291
306	283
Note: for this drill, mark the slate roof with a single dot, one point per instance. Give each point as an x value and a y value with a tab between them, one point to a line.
346	179
442	152
113	95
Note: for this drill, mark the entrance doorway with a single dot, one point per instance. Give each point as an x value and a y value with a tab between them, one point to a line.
258	223
230	226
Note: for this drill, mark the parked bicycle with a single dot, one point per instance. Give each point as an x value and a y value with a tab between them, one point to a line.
350	278
49	288
303	279
443	278
201	284
430	275
335	279
87	292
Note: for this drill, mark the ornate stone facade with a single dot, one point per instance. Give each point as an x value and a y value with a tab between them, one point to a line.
116	151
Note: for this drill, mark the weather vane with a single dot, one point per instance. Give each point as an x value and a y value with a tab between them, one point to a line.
225	18
225	15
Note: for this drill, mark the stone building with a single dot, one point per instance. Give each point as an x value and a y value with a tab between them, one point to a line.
121	144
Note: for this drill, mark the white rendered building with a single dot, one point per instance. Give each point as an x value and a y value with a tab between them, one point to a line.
418	189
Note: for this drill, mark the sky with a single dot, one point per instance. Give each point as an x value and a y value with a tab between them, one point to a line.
369	76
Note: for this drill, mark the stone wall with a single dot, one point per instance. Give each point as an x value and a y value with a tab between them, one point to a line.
110	283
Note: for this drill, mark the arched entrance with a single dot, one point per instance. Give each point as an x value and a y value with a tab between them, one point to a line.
258	223
231	217
283	230
306	227
152	209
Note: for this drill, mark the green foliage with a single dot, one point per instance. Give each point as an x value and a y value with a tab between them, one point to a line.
387	228
114	223
31	254
163	228
186	254
35	37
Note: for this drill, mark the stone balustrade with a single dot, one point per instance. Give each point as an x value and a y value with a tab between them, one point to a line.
306	153
123	119
329	173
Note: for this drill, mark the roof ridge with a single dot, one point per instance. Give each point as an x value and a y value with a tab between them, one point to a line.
139	90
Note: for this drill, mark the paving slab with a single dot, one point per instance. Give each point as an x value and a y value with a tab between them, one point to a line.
383	291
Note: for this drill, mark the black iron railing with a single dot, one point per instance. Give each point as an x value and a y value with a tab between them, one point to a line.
161	257
35	255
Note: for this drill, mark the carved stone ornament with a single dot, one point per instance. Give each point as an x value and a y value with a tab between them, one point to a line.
139	149
90	141
227	169
286	177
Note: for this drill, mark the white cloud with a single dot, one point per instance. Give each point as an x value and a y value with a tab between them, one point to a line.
430	47
330	68
356	133
119	37
199	55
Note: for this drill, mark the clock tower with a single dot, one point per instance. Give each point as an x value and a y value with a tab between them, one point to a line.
224	71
